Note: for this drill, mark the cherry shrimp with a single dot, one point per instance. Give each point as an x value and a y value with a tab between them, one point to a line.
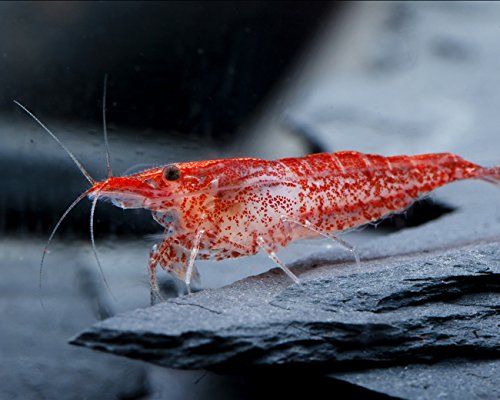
227	208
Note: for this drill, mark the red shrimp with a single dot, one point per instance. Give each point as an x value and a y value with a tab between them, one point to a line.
229	208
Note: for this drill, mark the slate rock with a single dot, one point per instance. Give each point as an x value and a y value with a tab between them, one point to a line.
455	379
434	307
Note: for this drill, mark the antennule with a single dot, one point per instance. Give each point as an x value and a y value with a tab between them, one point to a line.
78	163
104	128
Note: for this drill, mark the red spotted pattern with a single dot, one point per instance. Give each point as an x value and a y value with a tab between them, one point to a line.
235	201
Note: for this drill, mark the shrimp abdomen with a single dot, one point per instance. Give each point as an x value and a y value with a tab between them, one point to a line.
346	189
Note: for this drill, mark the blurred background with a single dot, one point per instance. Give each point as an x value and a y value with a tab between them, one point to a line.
179	75
191	81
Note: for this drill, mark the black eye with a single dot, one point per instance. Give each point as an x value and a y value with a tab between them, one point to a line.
171	172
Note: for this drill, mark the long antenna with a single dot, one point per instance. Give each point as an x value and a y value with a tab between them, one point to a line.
104	128
94	249
46	248
78	163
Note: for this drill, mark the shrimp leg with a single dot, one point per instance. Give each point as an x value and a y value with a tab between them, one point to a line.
154	256
272	255
307	224
176	259
192	257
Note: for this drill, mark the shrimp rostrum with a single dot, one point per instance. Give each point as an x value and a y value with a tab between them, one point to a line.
228	208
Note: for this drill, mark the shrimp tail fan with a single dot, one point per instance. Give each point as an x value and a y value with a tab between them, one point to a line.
491	175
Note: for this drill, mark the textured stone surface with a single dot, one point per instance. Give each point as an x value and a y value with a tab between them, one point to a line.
457	379
432	307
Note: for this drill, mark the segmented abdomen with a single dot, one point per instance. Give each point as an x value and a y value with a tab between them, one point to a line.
345	189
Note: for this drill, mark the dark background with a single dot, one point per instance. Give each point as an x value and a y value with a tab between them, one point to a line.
199	67
183	77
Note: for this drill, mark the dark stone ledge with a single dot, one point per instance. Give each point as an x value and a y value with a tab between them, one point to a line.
399	311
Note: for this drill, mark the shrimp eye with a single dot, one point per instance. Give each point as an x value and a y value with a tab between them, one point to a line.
171	172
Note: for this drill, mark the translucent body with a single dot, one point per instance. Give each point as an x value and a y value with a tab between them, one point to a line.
234	207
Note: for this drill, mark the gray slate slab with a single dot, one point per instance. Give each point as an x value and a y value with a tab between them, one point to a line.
434	307
457	379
